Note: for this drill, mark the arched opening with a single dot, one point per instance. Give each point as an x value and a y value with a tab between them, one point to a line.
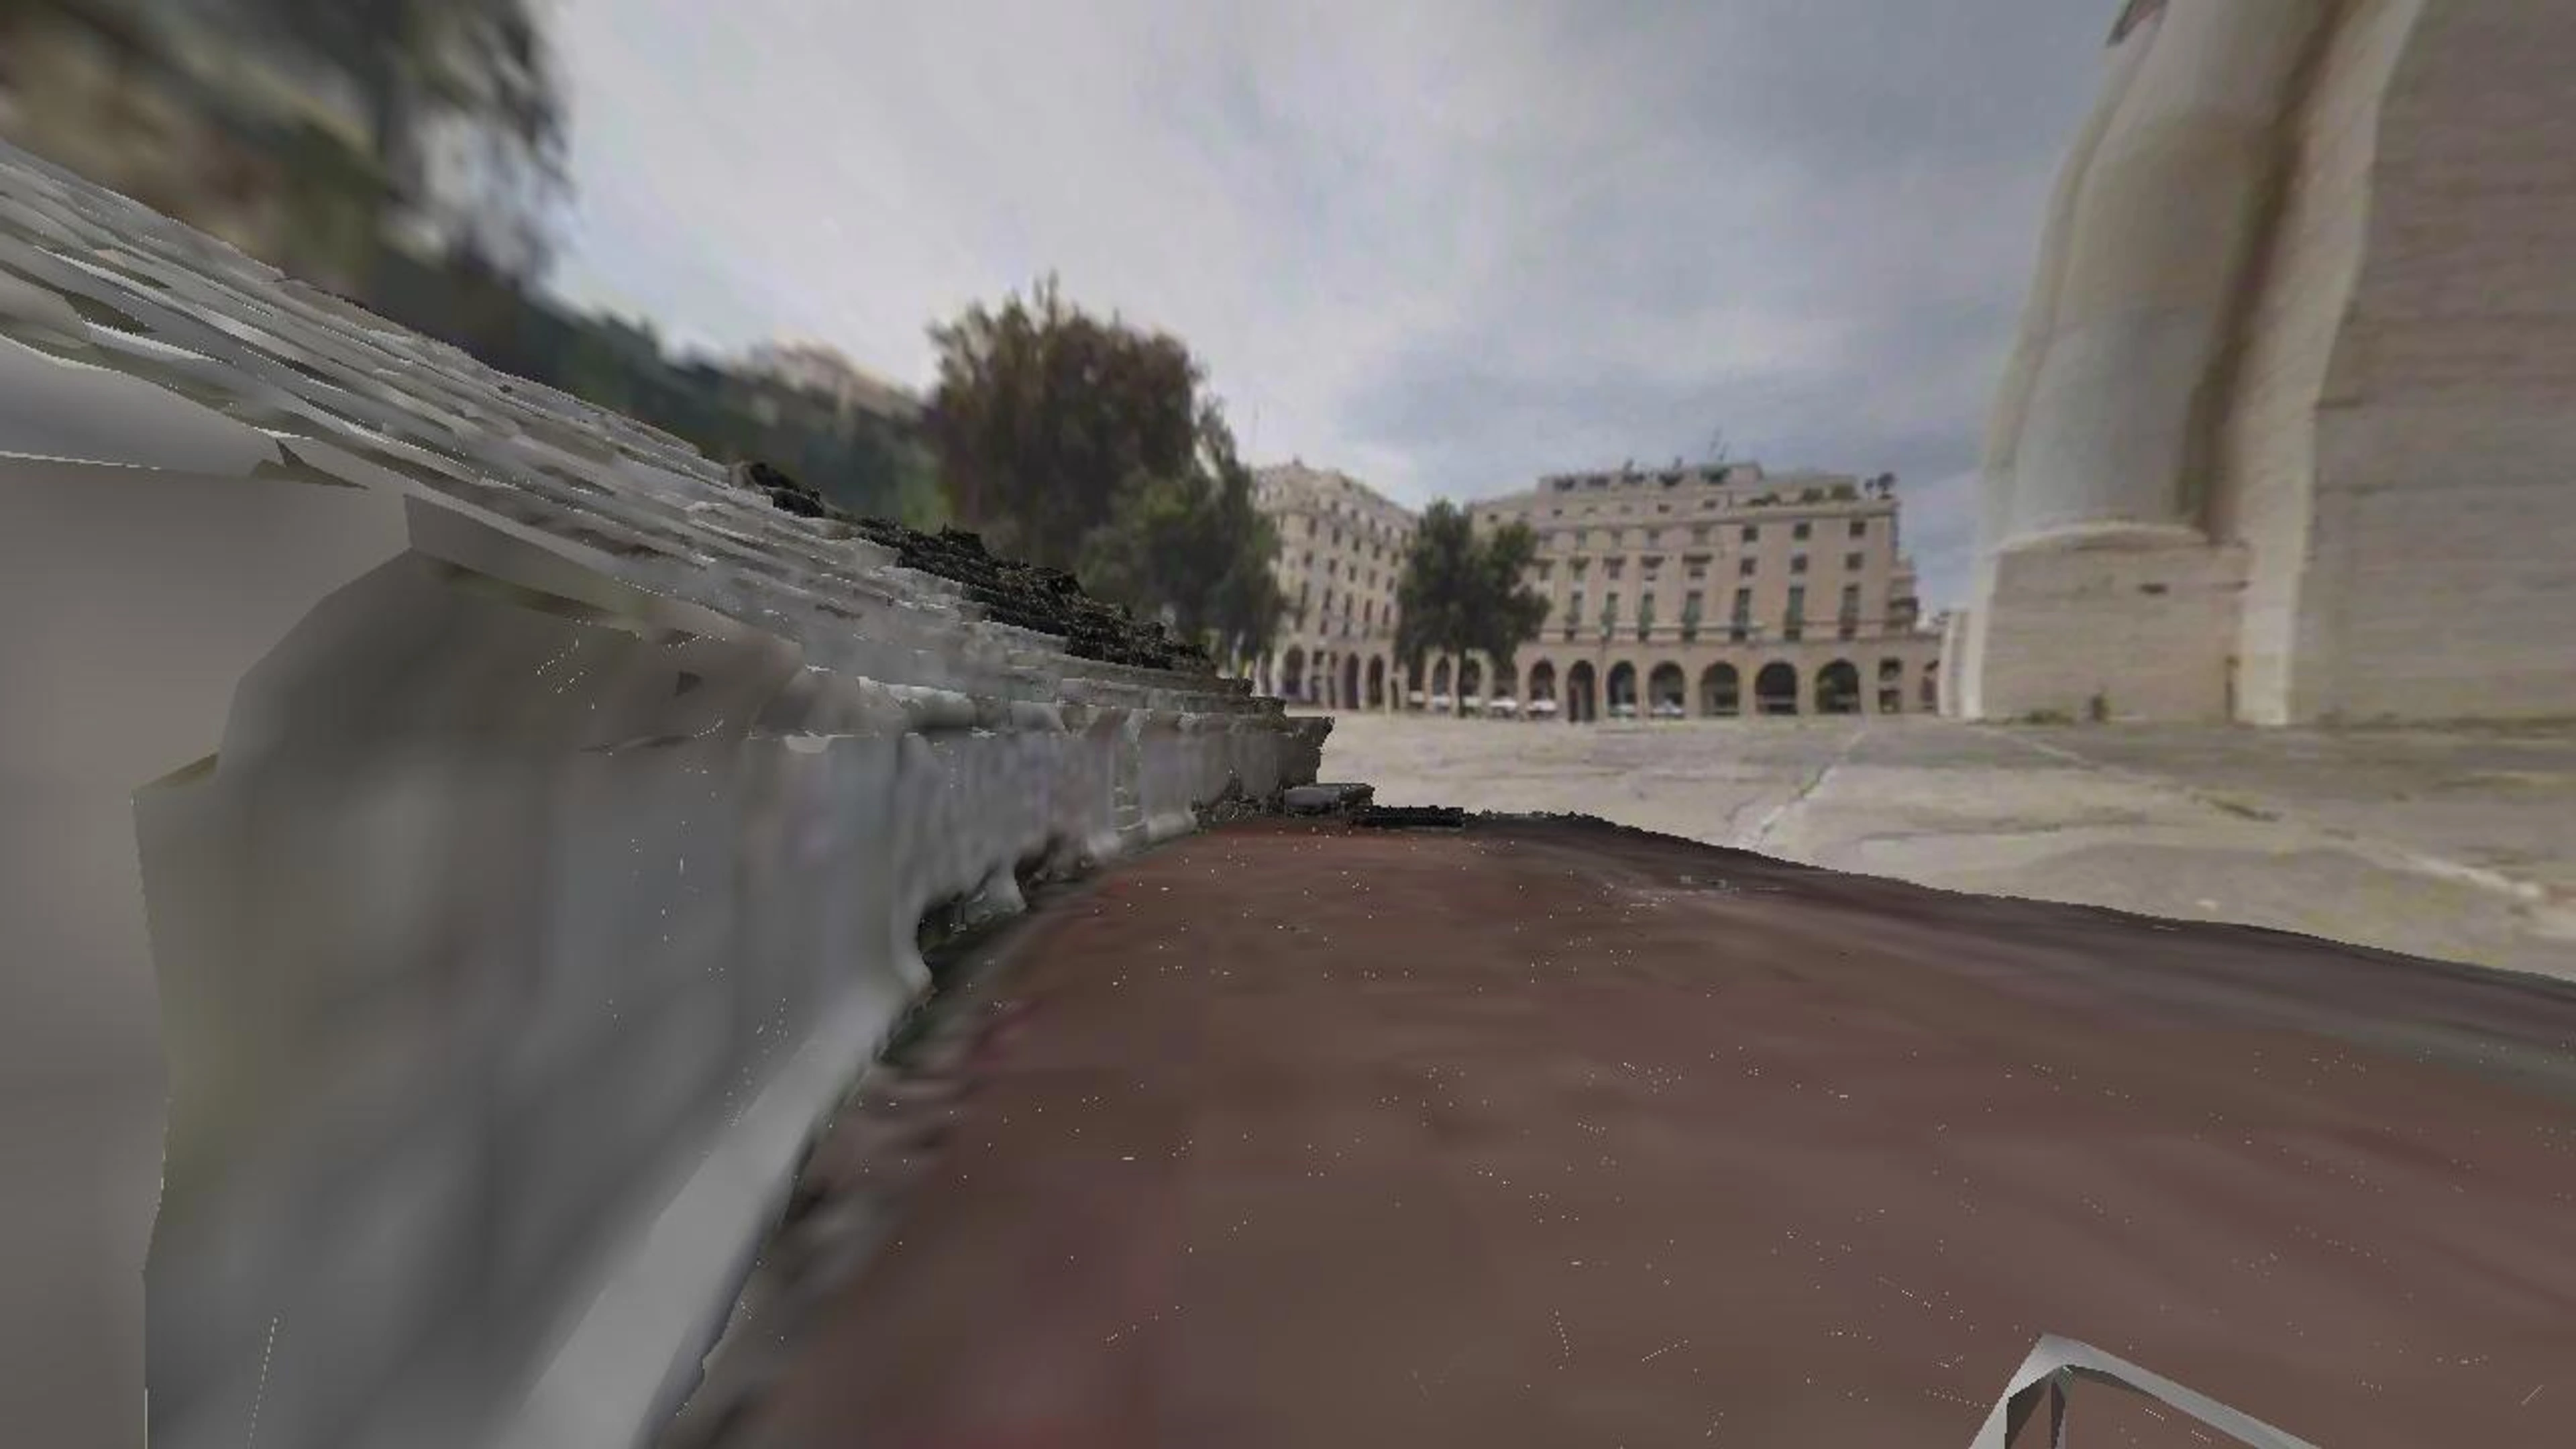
1891	686
1838	688
1666	688
1579	708
1377	681
1350	681
1542	691
1775	689
1292	675
1932	686
1721	691
1471	678
1440	679
1507	682
1622	691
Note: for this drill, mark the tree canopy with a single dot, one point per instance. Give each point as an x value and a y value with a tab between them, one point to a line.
477	69
1088	445
1460	594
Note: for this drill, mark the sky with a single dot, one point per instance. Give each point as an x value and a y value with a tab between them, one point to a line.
1445	246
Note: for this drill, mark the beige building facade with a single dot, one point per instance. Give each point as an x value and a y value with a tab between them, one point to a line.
1713	591
1341	551
2289	435
1682	592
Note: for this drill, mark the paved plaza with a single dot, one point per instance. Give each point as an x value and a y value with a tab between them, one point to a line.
2456	844
1546	1134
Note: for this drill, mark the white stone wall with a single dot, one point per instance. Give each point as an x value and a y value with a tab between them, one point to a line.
2444	582
2261	490
2123	623
2386	432
453	851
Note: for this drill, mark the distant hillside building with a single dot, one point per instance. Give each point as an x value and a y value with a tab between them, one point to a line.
1341	551
1713	591
819	368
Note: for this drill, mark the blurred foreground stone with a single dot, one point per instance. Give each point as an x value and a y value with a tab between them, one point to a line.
454	845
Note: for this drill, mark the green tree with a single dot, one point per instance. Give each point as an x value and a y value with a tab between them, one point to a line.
1044	416
1192	547
1458	593
1089	445
1508	612
420	65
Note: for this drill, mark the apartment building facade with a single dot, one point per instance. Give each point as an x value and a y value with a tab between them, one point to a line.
1712	591
1341	551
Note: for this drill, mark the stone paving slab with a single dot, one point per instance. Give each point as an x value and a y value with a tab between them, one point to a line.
2455	844
1546	1134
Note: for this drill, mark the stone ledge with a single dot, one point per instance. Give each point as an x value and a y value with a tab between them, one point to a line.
447	819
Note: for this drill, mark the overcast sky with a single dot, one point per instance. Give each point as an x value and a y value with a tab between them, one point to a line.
1446	246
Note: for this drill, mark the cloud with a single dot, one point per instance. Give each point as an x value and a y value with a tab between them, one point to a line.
1446	245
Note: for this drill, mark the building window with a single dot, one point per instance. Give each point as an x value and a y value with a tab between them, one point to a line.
1860	528
1744	568
1797	563
1609	614
1752	534
1699	534
1546	571
1848	621
1740	624
1645	614
1800	531
1794	626
1690	616
1851	563
1614	567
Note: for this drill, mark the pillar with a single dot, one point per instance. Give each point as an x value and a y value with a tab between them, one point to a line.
2091	518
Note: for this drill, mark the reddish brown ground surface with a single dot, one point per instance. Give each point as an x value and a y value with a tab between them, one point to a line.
1542	1134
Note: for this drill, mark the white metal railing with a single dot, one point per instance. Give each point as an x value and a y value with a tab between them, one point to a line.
2057	1364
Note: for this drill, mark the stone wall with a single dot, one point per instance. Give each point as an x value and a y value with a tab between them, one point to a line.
2373	408
2264	469
2443	573
455	846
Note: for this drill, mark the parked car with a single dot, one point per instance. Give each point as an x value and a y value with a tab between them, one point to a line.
1413	700
1542	709
1624	709
1669	709
1503	706
1442	703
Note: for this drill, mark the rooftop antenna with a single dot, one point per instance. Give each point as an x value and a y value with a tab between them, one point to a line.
1717	453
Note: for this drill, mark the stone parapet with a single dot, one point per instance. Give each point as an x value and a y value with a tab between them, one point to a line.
456	845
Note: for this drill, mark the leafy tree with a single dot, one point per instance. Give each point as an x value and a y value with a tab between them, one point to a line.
1044	416
1508	612
477	69
1192	547
1459	594
1088	445
1436	591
